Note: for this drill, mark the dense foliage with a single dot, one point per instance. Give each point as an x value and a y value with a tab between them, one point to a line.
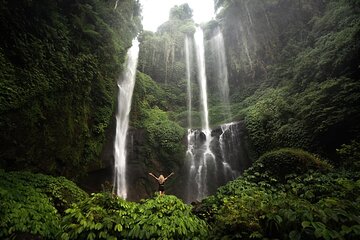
59	61
150	111
36	206
321	118
313	205
33	204
104	216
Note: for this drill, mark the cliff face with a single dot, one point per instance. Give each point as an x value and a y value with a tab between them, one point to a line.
59	61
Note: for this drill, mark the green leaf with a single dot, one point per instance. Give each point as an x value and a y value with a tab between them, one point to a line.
91	236
305	224
118	227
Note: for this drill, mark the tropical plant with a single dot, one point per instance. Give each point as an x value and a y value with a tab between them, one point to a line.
310	206
105	216
32	204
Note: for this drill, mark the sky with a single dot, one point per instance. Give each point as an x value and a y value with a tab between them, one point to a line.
156	12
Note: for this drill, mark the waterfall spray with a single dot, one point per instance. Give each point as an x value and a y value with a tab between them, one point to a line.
126	86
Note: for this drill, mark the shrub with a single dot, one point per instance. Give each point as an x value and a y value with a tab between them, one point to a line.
167	217
25	209
105	216
350	155
60	191
102	216
310	206
287	161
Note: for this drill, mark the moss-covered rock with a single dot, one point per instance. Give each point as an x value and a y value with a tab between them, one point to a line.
287	161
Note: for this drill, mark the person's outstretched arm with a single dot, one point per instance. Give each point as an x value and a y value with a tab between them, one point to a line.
153	176
169	175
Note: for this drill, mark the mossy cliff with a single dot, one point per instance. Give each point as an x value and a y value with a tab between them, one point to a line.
59	62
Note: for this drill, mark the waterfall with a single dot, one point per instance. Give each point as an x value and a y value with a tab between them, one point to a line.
205	160
221	71
188	58
126	86
200	60
228	158
213	157
190	157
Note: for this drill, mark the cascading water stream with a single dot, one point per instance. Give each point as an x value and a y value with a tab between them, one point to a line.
213	157
217	45
188	56
126	86
200	60
208	157
190	137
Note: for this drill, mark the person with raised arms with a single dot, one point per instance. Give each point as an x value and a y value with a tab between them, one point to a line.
161	180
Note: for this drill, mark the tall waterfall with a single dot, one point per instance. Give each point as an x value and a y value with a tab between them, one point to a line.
217	156
188	60
126	86
221	71
202	160
200	61
190	148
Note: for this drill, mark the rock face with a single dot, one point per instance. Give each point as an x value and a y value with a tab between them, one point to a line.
230	147
139	182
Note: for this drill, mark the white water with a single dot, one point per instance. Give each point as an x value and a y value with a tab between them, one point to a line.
188	56
190	137
200	60
217	44
208	157
205	170
126	86
191	166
